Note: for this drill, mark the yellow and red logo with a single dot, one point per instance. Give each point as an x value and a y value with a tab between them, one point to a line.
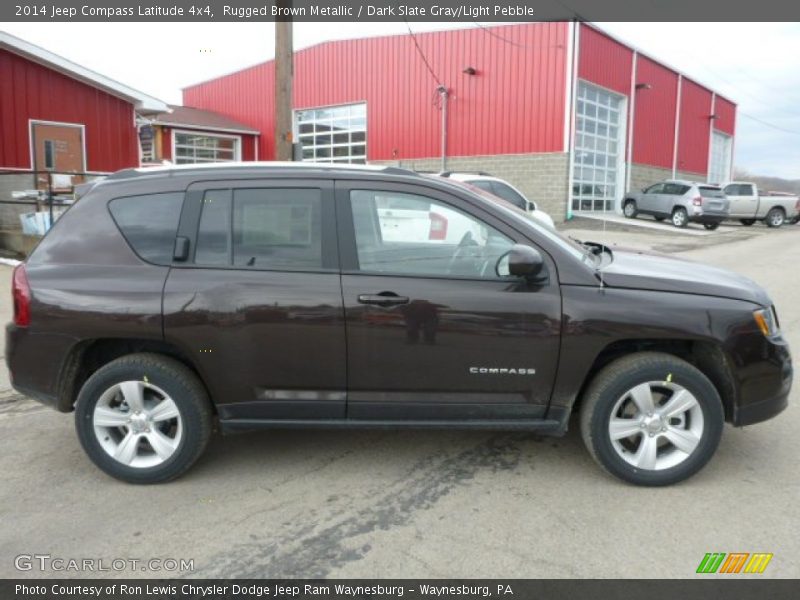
736	562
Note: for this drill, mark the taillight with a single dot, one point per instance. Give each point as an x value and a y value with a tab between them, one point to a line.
698	201
21	292
438	230
797	205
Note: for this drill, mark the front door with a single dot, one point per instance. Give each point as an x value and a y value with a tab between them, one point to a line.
433	332
257	303
651	198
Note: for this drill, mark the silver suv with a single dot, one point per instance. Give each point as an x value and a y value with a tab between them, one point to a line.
680	201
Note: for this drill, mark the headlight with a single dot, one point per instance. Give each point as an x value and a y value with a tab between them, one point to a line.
767	321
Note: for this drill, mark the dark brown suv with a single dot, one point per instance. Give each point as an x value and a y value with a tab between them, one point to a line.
309	296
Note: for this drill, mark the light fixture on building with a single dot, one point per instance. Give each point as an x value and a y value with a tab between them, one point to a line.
469	71
713	117
643	86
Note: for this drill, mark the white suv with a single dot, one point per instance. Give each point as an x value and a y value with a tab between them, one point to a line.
501	189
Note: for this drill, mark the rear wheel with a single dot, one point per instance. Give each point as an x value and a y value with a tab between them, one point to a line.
775	217
747	222
629	209
651	419
680	218
143	418
711	226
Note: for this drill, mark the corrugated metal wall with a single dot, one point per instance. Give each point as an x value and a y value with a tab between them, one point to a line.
607	63
726	116
695	126
654	115
32	91
604	61
514	104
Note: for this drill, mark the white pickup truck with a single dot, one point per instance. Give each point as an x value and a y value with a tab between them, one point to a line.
748	206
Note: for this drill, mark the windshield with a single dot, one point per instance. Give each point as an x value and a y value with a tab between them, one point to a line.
577	250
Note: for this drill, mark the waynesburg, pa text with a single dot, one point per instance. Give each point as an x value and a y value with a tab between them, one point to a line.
97	590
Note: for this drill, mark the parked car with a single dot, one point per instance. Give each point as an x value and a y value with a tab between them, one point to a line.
749	206
265	295
682	202
501	189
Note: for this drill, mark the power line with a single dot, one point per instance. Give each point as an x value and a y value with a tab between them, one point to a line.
500	37
422	55
768	124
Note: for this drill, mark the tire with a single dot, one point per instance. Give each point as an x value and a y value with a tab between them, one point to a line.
747	222
175	413
775	217
629	209
664	376
659	219
711	226
680	218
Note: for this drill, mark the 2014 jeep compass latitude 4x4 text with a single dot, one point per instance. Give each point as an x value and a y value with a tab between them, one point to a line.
268	296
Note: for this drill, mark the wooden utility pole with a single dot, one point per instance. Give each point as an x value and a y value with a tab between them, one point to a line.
284	71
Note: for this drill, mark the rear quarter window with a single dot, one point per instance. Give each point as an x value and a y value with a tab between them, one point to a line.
709	192
149	223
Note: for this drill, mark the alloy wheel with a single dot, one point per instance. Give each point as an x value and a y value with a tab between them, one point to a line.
656	425
137	424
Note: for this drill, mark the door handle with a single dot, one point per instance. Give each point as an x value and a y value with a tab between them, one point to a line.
382	299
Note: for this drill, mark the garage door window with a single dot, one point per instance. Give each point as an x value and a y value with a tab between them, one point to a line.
720	158
599	135
335	134
191	148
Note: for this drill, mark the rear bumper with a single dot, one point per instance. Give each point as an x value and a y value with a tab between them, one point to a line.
708	217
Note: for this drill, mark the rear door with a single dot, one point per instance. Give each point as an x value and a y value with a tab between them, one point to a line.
742	198
433	333
257	302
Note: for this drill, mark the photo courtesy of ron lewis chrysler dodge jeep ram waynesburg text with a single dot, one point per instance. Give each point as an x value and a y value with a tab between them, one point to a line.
265	295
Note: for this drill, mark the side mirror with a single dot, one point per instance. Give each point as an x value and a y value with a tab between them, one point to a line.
520	261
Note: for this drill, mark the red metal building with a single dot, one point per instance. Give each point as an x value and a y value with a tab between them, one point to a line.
564	111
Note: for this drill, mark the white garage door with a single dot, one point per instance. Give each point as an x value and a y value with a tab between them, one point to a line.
599	147
720	168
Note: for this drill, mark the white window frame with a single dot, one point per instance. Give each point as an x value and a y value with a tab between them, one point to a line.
332	159
81	126
622	136
237	146
727	157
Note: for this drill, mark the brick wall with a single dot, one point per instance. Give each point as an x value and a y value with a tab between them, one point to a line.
541	177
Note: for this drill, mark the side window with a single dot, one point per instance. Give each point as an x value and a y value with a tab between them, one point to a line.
149	224
277	228
425	238
746	190
734	189
507	193
655	189
214	231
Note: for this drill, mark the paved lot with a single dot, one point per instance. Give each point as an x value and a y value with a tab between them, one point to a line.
420	504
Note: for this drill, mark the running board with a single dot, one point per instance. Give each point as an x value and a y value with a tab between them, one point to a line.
538	425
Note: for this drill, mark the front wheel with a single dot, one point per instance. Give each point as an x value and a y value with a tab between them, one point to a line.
680	218
711	226
651	419
629	209
775	217
143	418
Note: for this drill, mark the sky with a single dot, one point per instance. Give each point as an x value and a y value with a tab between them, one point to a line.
757	65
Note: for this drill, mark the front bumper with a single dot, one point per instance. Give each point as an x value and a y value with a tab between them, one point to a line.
765	390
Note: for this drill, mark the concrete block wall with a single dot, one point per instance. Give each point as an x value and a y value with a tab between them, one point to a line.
541	177
645	175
